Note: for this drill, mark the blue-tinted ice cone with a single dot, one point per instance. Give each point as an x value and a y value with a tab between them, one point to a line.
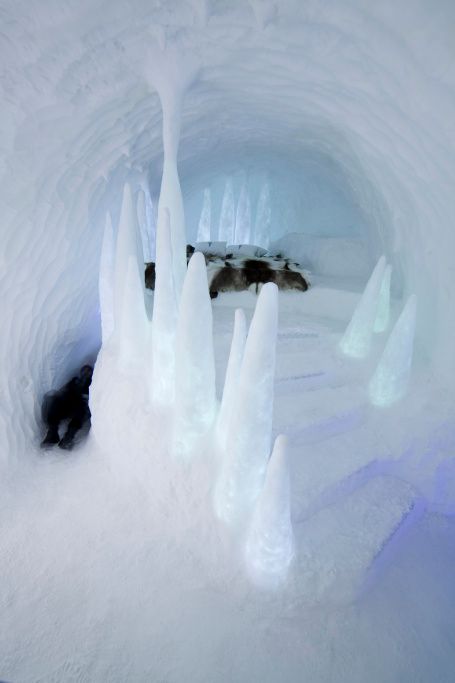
356	341
383	315
390	380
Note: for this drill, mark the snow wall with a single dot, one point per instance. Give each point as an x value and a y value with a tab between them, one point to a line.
363	92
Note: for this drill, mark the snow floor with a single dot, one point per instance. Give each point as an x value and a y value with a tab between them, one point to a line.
113	567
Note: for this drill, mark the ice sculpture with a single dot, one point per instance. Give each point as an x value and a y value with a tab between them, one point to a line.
383	314
270	542
164	318
203	232
195	402
106	281
390	380
243	218
232	377
250	427
146	224
132	323
227	217
263	218
356	341
128	244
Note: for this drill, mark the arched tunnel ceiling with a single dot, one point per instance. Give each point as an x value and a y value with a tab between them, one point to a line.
370	85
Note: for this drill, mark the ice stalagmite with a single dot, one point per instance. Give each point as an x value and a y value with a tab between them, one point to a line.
164	318
263	218
383	315
243	218
232	377
128	245
390	380
270	541
203	232
227	216
106	281
248	441
132	322
356	341
195	402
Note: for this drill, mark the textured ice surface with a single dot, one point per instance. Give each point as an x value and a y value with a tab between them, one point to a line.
270	541
227	216
194	409
391	378
203	232
106	281
248	443
356	341
232	377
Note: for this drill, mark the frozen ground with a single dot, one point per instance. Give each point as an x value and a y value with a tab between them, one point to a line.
114	569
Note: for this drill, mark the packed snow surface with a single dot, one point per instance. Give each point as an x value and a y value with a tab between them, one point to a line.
114	566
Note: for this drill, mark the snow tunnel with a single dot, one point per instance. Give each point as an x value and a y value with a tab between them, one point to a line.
349	108
336	120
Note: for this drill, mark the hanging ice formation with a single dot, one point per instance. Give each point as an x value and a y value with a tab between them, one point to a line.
390	380
270	541
232	377
227	216
243	217
263	218
164	318
195	403
203	232
250	425
106	281
383	315
356	341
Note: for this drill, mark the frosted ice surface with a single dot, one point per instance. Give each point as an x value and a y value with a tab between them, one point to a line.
383	316
390	380
249	439
356	340
243	217
336	546
106	281
203	231
227	215
133	323
171	199
270	541
263	218
194	408
232	376
164	317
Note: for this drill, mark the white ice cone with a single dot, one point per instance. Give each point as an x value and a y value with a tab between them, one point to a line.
243	218
203	232
227	215
270	542
132	323
390	380
195	402
356	341
164	318
106	281
232	377
128	245
250	427
383	315
171	198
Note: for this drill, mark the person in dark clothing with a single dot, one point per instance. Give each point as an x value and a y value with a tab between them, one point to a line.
69	402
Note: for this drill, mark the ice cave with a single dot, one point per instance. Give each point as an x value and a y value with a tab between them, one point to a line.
241	213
